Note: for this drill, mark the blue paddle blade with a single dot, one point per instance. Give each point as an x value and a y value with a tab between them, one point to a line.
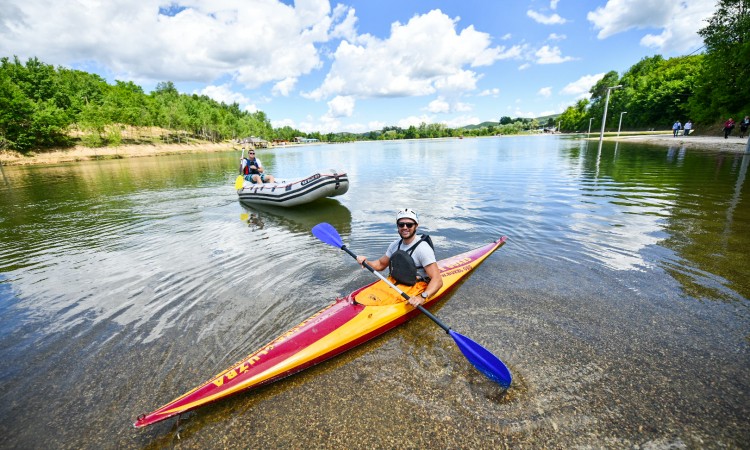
483	360
326	233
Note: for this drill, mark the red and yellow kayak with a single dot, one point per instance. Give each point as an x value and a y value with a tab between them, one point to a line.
348	322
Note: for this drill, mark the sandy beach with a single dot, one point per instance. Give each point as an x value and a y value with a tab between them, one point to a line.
81	153
732	143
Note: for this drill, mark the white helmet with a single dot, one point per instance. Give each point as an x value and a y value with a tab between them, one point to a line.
408	214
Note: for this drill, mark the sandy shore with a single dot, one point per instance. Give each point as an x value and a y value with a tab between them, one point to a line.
733	143
81	153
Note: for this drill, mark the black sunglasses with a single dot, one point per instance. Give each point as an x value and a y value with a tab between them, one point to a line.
405	224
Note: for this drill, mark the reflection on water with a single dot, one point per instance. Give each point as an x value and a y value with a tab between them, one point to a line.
125	283
301	218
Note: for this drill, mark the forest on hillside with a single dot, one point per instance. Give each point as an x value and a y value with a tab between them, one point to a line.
46	107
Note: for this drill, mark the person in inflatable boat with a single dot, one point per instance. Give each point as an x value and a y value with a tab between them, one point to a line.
253	170
409	261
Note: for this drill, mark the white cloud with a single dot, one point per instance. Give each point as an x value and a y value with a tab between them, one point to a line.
285	86
582	85
553	4
224	94
199	41
439	105
553	19
524	66
494	92
679	22
341	106
346	27
506	36
442	105
556	37
424	56
545	91
551	55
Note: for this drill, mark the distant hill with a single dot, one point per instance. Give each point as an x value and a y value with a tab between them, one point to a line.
542	120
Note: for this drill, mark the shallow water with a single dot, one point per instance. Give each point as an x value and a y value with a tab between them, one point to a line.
620	301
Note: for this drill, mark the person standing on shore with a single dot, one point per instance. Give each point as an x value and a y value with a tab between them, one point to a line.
744	125
676	128
688	127
728	127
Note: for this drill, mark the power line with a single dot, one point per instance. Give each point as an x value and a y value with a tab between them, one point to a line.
696	50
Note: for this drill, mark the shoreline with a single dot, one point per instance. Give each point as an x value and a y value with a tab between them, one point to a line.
81	153
733	143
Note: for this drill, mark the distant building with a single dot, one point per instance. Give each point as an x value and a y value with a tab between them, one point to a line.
302	140
255	142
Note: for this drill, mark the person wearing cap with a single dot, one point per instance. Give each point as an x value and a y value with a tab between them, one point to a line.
407	222
253	170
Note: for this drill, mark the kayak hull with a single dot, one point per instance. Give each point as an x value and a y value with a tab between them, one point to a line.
350	321
330	183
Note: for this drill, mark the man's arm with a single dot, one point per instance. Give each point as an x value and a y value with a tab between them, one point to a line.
436	282
379	264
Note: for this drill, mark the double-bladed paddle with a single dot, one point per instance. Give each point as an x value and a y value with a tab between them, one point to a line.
487	363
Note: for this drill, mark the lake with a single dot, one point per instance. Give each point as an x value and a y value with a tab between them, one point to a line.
620	301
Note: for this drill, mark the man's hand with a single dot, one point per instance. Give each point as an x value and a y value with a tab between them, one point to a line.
416	300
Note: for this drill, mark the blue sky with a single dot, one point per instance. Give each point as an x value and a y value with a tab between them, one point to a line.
359	65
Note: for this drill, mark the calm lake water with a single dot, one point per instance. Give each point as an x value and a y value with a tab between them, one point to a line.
620	302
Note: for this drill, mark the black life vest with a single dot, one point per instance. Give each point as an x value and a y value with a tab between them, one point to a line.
402	266
247	170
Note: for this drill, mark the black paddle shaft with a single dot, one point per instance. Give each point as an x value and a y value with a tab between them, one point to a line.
403	294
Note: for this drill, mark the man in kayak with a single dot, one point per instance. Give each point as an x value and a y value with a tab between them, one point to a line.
253	170
408	246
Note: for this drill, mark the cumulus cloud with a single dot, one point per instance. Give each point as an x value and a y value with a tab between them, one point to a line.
582	86
424	56
553	19
556	37
285	86
679	22
551	55
443	105
196	41
545	91
494	92
224	94
341	106
439	105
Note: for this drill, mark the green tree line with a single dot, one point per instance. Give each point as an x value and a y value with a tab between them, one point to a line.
41	107
705	88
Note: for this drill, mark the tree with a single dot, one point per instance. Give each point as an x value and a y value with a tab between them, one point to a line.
722	86
574	118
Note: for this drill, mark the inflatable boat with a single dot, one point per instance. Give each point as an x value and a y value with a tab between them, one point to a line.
330	183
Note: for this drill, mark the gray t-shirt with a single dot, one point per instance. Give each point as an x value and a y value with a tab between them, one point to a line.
423	255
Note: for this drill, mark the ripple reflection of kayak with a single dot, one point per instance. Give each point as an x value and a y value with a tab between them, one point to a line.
300	218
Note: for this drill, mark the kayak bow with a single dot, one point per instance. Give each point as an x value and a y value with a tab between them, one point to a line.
346	323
